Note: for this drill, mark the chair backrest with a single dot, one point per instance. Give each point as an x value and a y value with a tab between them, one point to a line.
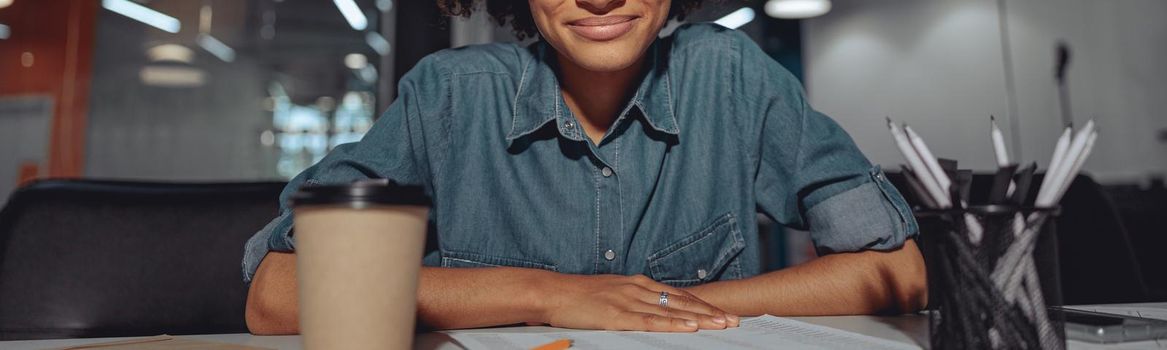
1095	257
104	258
1144	212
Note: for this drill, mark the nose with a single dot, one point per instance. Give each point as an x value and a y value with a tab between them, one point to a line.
599	7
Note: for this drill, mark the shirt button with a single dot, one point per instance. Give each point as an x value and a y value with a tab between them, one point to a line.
606	171
568	125
610	255
701	273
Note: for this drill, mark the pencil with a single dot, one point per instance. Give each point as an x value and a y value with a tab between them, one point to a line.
999	150
560	344
917	165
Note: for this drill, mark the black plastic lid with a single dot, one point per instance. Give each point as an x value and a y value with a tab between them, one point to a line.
360	193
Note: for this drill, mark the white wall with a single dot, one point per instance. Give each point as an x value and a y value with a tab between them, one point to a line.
207	133
938	65
24	137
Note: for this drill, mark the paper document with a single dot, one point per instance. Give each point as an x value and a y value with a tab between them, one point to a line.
161	342
765	332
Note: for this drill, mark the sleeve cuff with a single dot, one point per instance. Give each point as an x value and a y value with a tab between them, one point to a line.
274	236
872	215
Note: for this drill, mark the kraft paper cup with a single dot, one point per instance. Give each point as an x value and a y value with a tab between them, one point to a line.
358	253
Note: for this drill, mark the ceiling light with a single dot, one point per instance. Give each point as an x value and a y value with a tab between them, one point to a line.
352	13
5	3
172	76
216	47
142	14
5	32
796	9
170	53
368	74
384	5
355	61
737	18
205	19
378	43
326	103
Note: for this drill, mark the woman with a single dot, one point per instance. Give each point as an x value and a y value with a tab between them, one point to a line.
593	170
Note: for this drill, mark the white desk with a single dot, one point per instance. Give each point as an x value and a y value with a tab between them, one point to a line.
912	329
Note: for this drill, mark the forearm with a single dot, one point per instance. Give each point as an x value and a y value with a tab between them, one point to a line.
866	282
272	297
450	298
447	298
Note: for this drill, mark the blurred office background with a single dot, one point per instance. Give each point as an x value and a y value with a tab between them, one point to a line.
257	90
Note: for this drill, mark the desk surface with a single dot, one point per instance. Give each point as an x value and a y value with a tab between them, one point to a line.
912	329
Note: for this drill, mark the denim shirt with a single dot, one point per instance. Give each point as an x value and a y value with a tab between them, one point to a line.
716	132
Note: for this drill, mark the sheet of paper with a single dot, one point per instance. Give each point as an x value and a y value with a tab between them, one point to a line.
765	332
160	342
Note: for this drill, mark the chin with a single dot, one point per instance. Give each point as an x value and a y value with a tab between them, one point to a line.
604	60
605	56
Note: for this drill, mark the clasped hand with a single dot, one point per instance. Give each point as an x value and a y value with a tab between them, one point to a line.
630	303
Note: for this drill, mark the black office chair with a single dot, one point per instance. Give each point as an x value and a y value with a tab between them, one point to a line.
104	258
1144	211
1096	260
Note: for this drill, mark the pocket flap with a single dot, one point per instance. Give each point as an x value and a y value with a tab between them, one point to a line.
699	257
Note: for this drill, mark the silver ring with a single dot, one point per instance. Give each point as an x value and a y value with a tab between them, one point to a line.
664	300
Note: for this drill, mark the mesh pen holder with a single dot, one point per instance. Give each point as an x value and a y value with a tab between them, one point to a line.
992	273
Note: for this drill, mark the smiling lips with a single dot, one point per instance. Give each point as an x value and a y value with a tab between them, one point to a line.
602	28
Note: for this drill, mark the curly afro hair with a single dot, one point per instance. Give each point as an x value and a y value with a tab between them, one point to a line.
518	12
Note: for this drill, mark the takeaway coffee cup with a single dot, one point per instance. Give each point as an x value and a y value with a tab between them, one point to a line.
358	252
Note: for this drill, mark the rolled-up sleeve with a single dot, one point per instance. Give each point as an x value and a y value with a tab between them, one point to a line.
394	148
810	175
872	215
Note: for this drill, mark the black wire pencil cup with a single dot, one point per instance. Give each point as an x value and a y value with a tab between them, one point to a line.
992	266
969	308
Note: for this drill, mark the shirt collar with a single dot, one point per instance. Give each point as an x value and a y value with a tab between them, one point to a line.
538	99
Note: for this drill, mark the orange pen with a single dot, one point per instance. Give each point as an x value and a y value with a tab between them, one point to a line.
560	344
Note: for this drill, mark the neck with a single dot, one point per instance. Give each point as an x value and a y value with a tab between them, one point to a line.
597	97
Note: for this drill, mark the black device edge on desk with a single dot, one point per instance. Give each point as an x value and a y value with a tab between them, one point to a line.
1104	328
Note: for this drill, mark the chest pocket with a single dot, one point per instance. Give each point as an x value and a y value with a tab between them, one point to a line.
710	254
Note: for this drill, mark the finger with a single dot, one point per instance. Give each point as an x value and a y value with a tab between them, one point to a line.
703	321
689	303
693	303
638	321
658	287
732	320
683	302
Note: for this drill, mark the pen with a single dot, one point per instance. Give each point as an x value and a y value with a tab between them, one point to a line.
555	345
1000	151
